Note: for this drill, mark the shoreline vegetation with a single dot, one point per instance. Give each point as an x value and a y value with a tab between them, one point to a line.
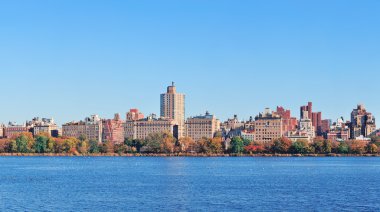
165	145
179	155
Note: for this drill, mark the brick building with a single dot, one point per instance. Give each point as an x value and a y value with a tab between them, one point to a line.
202	126
113	130
268	126
140	129
91	128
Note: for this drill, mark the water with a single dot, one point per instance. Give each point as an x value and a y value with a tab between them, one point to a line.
189	184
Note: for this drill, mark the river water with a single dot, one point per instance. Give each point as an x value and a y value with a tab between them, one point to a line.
189	184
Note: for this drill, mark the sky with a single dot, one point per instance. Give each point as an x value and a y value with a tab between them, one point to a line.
68	59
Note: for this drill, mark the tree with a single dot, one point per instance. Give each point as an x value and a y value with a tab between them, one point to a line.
203	145
69	145
59	145
186	144
254	148
318	145
246	142
357	147
93	147
22	143
134	144
40	145
216	145
12	146
82	137
50	146
153	143
301	146
121	148
237	145
106	147
281	145
343	148
82	146
327	146
167	143
372	148
4	143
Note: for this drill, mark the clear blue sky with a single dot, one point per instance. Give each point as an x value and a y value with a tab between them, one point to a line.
68	59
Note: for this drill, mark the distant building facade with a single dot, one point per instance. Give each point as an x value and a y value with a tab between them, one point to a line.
14	129
338	131
268	126
2	126
91	128
140	129
326	124
362	122
134	115
173	107
43	126
202	126
113	130
288	123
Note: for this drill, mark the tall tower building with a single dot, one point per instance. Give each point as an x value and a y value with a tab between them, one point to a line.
173	107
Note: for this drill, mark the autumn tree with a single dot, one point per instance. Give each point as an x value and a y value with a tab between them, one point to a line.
25	143
254	148
357	147
4	143
82	146
167	143
281	145
372	148
186	144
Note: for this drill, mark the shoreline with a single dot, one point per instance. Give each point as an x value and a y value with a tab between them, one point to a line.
181	155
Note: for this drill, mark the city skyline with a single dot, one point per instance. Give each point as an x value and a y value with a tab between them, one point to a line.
227	58
294	113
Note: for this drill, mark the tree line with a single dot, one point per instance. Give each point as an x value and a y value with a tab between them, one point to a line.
165	143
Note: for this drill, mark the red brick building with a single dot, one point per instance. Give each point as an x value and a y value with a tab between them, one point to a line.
326	124
339	135
316	117
288	123
113	130
14	130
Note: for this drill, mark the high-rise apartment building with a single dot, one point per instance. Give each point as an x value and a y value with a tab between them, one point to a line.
309	110
362	122
326	124
288	123
317	122
268	126
173	107
202	126
315	117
